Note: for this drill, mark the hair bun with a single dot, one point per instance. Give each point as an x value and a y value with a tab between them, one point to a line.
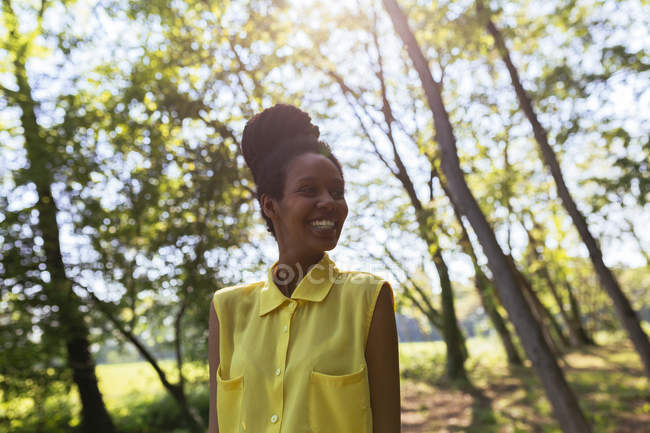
265	131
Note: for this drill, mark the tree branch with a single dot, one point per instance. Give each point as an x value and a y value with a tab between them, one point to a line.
104	308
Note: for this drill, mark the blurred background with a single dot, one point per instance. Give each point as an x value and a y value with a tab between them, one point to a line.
125	202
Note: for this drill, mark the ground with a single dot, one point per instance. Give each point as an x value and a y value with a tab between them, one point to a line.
608	380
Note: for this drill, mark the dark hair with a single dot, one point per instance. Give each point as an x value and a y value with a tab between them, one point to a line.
271	140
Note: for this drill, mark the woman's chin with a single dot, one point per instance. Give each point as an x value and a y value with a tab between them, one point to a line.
324	244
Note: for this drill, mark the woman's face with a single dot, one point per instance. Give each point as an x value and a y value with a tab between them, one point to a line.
309	217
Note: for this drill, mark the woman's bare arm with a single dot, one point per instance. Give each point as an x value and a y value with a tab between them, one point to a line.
213	358
383	366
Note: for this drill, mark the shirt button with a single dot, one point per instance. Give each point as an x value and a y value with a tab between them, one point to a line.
274	419
277	372
285	328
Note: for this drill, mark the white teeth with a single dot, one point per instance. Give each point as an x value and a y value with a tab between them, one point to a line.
323	223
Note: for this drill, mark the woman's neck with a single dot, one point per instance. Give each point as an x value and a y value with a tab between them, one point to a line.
291	269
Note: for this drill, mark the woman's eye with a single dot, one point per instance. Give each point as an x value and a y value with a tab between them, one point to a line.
339	193
307	189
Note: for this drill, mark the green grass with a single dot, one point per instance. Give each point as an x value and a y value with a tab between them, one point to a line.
127	381
608	379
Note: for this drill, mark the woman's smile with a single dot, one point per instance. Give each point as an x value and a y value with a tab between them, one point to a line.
324	228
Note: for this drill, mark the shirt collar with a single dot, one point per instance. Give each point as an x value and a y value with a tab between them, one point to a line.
313	287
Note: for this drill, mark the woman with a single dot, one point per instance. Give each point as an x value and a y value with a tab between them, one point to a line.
312	348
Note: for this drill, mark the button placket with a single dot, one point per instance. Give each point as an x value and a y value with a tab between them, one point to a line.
287	315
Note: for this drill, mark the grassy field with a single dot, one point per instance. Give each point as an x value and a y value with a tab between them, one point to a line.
608	379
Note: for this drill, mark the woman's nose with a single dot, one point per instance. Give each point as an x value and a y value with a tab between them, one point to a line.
326	201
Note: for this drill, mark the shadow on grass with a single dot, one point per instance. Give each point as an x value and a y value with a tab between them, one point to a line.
483	417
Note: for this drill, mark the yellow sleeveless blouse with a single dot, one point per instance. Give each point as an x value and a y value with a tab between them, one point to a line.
296	365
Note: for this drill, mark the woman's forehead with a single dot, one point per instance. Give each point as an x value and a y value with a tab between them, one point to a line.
312	166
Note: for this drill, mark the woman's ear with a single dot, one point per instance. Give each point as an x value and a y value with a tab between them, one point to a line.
269	206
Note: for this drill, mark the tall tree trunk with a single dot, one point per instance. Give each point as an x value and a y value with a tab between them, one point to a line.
443	322
563	400
451	332
448	325
622	305
94	416
192	418
540	312
483	285
488	299
453	336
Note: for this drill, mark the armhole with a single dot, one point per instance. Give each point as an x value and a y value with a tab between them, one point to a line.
214	304
373	303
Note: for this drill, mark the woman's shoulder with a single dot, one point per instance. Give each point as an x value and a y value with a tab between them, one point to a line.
365	285
225	294
360	279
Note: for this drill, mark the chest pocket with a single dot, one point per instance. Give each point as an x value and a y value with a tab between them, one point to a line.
229	403
339	403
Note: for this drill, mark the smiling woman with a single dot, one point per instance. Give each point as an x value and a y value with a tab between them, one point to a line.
312	348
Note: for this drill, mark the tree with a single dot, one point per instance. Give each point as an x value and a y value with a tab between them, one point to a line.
564	402
627	315
56	290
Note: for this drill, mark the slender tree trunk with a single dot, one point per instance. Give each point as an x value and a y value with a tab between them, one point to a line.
454	339
485	290
576	317
484	286
563	400
451	332
541	313
546	276
192	418
444	322
95	417
176	390
543	272
573	334
622	305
